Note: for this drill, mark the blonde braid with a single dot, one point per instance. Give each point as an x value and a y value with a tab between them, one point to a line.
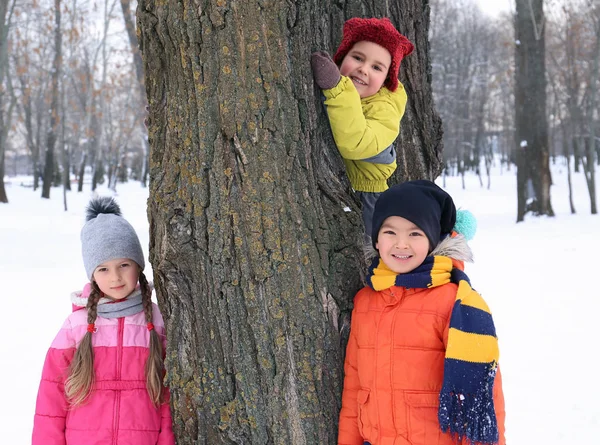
78	385
154	364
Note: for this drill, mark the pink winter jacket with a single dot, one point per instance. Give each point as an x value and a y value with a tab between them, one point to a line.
119	410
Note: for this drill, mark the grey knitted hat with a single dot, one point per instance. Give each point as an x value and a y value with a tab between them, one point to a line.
106	236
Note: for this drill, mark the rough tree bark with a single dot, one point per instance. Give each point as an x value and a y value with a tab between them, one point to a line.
532	148
255	236
420	144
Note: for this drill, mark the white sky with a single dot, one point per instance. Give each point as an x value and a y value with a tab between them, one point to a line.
495	7
537	278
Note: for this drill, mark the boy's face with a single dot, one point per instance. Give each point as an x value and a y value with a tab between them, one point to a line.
401	244
367	65
117	278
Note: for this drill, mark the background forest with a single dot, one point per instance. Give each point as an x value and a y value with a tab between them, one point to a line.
214	139
72	95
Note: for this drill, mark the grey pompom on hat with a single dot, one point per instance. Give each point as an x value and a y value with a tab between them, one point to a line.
106	236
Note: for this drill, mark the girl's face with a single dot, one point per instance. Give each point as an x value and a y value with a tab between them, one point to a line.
117	278
401	244
367	65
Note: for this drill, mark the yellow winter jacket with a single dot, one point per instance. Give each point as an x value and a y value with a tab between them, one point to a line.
363	129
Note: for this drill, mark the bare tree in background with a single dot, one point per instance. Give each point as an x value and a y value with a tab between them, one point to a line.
255	236
139	73
88	98
32	51
591	110
54	110
465	53
532	157
99	100
566	74
7	97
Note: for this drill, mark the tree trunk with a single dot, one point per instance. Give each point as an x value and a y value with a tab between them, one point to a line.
95	150
533	156
490	150
37	168
98	172
569	180
134	46
419	145
255	240
590	152
3	195
81	170
590	171
54	106
65	149
27	105
6	12
139	73
3	141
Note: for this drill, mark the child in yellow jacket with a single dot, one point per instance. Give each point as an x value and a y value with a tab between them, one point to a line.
365	103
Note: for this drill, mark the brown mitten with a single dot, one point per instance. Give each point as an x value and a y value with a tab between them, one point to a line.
326	72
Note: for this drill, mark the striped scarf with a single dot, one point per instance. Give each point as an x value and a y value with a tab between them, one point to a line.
466	399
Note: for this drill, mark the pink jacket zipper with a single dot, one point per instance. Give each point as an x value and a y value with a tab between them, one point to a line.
121	322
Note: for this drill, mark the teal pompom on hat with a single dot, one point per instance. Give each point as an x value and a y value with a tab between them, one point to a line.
465	224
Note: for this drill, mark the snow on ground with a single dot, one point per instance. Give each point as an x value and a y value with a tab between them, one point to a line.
536	277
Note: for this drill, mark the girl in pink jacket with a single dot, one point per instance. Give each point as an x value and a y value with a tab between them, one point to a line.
102	378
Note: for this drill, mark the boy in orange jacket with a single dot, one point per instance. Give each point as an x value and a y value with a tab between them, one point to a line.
422	359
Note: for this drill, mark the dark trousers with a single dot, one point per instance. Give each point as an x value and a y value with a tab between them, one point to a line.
368	200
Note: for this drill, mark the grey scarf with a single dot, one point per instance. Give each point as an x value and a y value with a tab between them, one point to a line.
131	305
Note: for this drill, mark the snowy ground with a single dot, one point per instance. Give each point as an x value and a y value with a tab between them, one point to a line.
536	277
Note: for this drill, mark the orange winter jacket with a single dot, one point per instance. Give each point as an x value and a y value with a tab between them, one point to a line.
395	365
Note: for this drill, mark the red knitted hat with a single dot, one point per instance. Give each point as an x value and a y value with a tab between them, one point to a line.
381	32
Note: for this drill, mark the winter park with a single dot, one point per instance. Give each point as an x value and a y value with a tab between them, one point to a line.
225	152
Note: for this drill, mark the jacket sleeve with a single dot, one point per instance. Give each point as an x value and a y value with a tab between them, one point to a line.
51	404
166	436
348	433
499	407
362	136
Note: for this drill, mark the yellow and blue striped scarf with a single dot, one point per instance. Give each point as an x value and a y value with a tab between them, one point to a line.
466	399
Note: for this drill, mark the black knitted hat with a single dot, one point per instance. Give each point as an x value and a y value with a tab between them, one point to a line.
422	203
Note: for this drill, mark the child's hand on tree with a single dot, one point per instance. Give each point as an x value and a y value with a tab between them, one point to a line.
325	71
